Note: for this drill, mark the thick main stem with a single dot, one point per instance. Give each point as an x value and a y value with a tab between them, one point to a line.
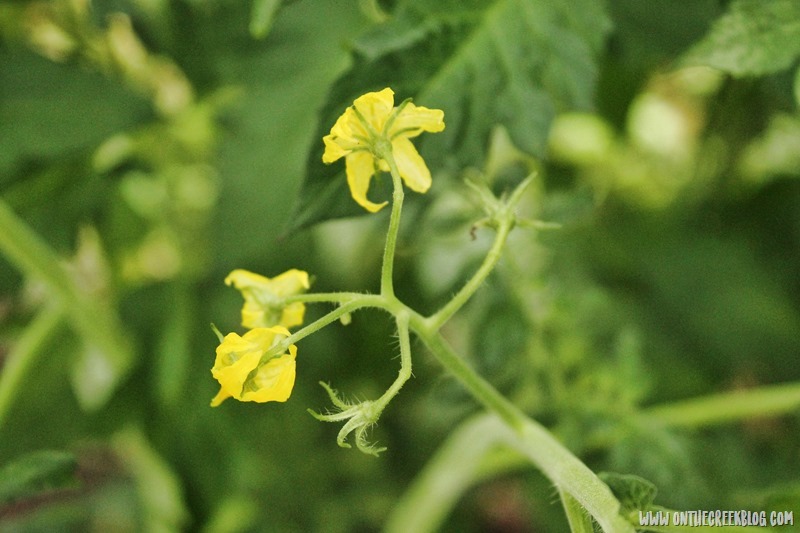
530	438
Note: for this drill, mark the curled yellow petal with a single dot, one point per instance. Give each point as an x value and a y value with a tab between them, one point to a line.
360	167
238	356
274	381
346	135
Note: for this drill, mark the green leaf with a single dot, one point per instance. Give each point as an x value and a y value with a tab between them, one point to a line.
755	37
273	121
42	119
633	492
36	472
510	62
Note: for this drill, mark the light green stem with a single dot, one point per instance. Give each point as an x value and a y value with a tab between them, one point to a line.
329	318
437	320
322	297
579	521
387	284
480	389
459	463
405	361
531	439
25	354
727	407
97	325
359	302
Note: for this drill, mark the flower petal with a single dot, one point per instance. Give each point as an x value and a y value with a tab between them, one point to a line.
238	356
333	149
221	396
274	381
263	297
231	377
376	107
412	167
289	283
293	314
413	120
346	135
242	279
360	167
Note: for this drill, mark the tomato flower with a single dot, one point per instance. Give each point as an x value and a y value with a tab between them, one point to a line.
264	304
371	127
238	356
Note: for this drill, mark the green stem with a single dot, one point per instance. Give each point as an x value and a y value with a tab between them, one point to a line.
726	407
531	439
387	286
97	325
469	454
362	300
437	320
323	297
404	375
25	355
480	389
579	521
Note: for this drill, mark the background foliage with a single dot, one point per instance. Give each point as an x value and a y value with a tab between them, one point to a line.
149	147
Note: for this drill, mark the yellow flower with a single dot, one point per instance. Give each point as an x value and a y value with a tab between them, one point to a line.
360	136
238	356
264	298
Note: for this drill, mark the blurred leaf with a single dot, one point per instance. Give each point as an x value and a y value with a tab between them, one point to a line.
283	80
50	110
796	87
108	354
158	486
36	472
633	492
500	336
262	16
783	499
754	37
174	350
483	63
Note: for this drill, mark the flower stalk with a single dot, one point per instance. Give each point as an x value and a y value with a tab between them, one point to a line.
374	136
387	284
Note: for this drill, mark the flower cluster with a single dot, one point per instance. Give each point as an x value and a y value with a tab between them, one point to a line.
372	136
255	367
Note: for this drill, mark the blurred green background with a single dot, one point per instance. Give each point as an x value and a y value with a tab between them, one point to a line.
149	147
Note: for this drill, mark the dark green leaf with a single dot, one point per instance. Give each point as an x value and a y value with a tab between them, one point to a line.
36	472
510	62
753	38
